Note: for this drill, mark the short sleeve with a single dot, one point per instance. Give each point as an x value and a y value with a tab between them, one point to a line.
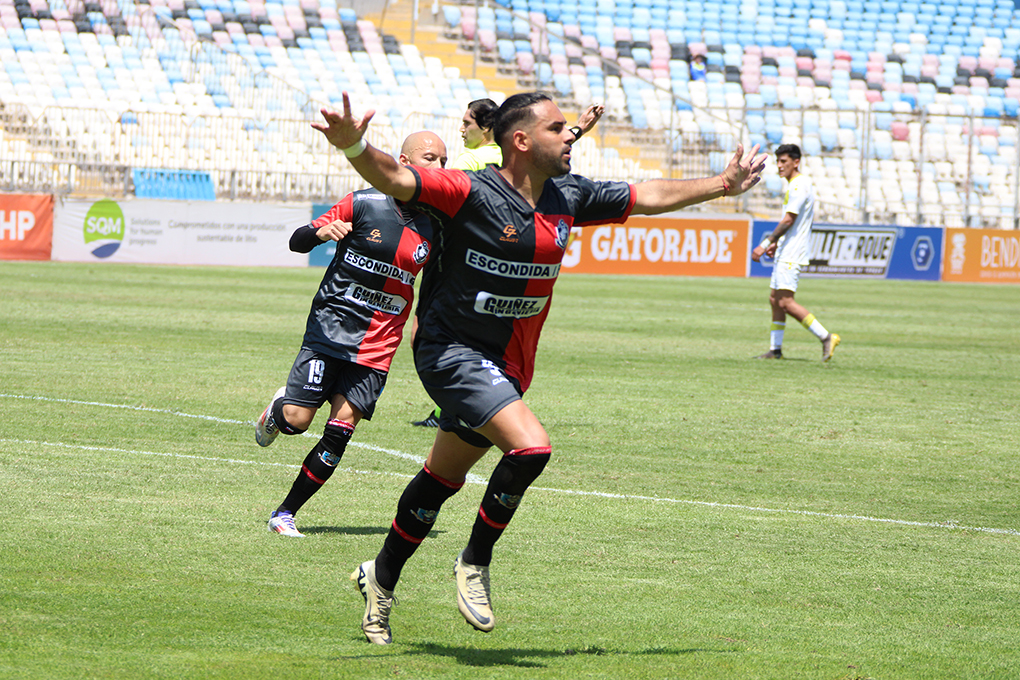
442	191
341	211
796	197
603	202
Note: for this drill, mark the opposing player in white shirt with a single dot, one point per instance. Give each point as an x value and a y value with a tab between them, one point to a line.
788	245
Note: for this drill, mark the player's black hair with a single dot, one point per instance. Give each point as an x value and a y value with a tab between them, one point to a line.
791	150
484	112
516	109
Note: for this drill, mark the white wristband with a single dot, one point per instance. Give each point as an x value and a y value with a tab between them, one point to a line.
357	149
766	243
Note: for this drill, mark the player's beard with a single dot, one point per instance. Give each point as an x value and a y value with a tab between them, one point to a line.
553	164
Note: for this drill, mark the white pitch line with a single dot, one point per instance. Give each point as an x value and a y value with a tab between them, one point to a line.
473	479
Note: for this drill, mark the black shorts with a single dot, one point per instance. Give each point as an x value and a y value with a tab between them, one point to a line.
468	387
316	377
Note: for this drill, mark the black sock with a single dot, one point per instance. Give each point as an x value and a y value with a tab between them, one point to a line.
281	423
513	475
417	510
319	465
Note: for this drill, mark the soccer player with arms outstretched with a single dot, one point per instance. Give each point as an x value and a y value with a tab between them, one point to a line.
501	237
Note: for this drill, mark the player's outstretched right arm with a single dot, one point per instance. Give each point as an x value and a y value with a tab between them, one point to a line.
378	168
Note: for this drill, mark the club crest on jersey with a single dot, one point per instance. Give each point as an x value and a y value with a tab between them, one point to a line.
562	233
421	253
375	236
509	234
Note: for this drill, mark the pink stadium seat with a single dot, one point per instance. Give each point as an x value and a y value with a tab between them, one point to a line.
841	65
979	81
900	131
806	63
967	62
526	62
989	63
805	81
842	55
622	34
753	50
1006	62
960	89
487	40
468	27
608	53
875	77
787	72
909	88
873	96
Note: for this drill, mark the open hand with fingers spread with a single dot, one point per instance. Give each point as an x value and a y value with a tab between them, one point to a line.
743	172
343	130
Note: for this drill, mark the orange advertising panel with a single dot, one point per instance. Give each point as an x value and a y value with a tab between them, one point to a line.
982	255
26	226
663	246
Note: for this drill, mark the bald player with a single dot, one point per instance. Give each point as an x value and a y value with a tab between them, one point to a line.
355	324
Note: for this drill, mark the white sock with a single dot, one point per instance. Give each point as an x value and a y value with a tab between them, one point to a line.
813	325
776	335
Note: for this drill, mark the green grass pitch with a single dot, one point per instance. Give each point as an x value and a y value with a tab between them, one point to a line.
704	515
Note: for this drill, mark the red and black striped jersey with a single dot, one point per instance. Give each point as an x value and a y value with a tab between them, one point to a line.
496	258
367	292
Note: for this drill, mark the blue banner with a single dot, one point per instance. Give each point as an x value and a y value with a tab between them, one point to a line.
322	255
873	251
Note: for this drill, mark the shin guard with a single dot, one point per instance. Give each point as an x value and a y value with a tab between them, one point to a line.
417	510
319	464
511	478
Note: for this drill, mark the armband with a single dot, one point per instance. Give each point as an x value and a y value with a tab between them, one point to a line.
577	131
767	241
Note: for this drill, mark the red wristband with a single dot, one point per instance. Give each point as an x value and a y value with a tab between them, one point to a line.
725	186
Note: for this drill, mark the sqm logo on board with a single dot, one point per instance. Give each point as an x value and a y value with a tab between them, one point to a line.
104	228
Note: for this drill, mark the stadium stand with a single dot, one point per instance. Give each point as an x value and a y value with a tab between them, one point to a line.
881	94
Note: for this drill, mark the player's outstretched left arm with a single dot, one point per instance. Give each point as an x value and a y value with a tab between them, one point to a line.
378	168
664	195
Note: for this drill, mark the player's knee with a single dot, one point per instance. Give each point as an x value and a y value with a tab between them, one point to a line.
299	418
526	466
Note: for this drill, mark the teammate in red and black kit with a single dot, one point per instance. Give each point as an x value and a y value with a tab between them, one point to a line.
355	324
500	238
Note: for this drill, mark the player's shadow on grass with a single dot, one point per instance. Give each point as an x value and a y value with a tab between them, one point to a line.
356	531
531	658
